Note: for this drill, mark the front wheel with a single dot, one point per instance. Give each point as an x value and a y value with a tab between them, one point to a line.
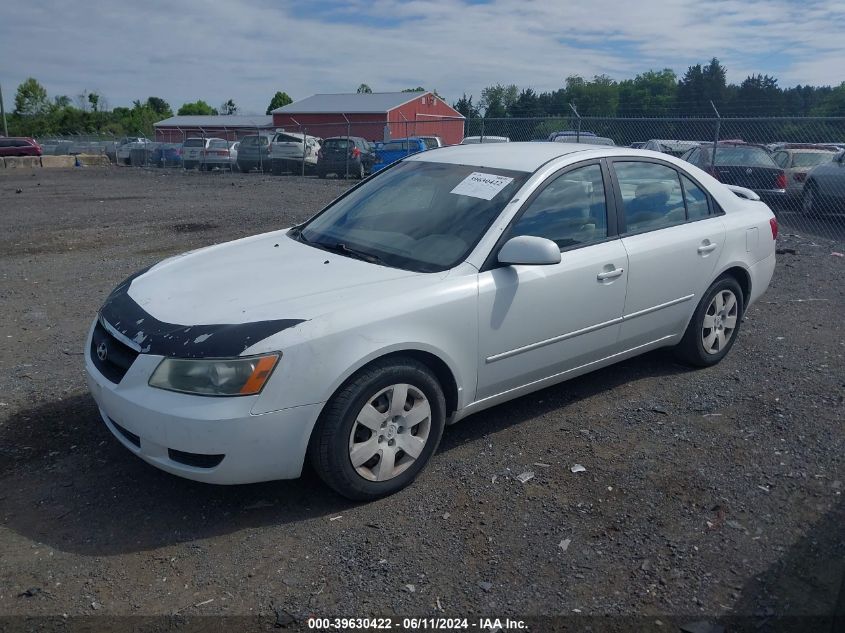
714	325
379	430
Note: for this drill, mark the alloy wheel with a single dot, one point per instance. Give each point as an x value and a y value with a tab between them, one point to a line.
719	321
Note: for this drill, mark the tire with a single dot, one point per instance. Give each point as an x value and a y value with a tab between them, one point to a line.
383	466
244	167
277	167
809	200
188	165
321	174
704	346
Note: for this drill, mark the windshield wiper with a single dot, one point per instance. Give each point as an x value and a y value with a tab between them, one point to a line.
343	249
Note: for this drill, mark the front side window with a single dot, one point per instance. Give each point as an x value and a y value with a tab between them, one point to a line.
651	195
571	210
420	216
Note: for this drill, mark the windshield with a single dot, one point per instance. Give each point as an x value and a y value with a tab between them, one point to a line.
417	216
811	159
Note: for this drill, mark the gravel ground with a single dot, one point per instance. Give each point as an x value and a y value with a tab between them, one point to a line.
711	495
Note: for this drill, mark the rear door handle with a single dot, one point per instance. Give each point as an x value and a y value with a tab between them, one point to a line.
707	248
610	274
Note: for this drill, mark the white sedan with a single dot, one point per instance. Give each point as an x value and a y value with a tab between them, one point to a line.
452	281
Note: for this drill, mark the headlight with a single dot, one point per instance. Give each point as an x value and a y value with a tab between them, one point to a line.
220	377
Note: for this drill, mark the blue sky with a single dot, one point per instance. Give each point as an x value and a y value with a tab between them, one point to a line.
248	49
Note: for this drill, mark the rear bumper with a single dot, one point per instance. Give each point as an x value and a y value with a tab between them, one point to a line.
772	195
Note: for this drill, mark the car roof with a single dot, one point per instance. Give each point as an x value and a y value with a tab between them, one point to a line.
520	156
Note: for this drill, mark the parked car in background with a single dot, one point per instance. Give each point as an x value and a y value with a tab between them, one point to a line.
166	155
742	164
287	152
671	147
341	153
796	160
431	142
636	145
233	155
824	190
19	146
254	152
587	138
396	149
456	280
472	140
193	150
217	155
126	144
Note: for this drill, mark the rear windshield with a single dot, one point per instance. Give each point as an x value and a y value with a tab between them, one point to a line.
430	143
751	156
811	159
286	138
195	142
219	144
248	141
336	143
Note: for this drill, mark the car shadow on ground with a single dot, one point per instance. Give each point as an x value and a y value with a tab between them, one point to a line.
68	483
802	591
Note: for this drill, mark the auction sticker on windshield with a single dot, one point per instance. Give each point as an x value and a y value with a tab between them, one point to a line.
481	185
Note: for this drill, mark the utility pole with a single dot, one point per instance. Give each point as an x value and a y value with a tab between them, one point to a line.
3	113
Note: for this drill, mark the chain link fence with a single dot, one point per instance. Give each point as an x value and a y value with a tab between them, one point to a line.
795	164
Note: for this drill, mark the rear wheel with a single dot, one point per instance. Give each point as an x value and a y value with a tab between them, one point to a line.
714	325
809	200
379	430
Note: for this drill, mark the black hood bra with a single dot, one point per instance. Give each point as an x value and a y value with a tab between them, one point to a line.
150	336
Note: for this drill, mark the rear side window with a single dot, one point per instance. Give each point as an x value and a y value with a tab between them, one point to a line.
698	204
571	210
651	195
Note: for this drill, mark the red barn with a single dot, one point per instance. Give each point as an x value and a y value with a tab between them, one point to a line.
376	116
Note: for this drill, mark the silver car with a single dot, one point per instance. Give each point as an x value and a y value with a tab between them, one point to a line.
797	160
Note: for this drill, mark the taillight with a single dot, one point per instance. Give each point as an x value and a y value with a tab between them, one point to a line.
774	224
780	182
799	176
355	152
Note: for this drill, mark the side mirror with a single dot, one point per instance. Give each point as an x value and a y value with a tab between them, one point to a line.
529	250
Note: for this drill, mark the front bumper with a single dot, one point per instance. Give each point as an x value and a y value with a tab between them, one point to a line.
214	440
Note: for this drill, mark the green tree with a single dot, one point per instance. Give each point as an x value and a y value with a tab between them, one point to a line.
497	100
229	107
198	107
364	89
31	98
417	89
159	106
279	100
598	97
464	106
94	101
651	93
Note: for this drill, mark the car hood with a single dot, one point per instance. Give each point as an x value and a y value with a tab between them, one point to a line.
222	299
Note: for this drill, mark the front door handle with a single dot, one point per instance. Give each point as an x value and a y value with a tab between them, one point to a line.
610	274
707	247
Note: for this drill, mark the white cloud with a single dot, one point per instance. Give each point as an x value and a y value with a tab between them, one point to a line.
247	50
